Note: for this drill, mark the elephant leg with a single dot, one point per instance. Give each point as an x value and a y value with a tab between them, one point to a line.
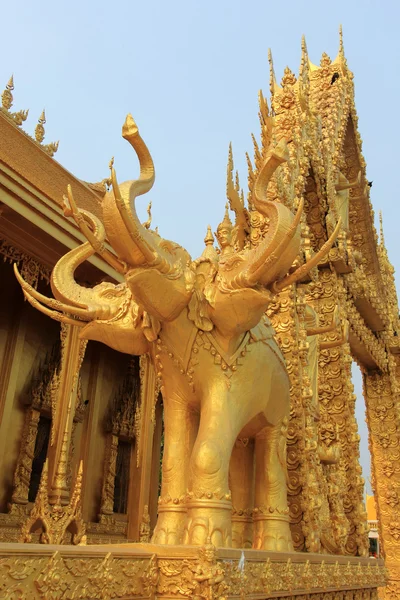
209	506
241	475
180	425
271	515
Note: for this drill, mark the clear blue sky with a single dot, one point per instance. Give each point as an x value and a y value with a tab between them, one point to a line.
190	71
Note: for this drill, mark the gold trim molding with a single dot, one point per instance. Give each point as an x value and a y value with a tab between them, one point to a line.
148	571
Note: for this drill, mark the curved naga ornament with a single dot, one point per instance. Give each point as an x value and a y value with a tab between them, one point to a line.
223	378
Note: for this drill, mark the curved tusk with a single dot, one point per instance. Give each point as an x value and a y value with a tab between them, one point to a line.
304	269
51	313
51	302
278	156
81	217
264	265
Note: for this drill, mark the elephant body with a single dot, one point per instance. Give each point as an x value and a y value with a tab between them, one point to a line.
224	382
216	402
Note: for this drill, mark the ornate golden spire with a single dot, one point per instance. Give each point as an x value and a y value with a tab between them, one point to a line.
7	102
273	86
51	148
209	252
226	222
59	493
257	153
7	97
39	129
341	47
209	239
304	56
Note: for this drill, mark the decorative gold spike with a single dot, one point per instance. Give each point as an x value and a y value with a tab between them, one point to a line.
262	103
209	239
39	129
304	63
273	86
7	97
237	183
226	220
236	202
59	492
341	47
257	154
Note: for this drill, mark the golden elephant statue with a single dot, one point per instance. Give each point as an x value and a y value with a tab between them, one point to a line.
223	378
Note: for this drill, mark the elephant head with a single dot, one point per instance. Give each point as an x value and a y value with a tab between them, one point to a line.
159	278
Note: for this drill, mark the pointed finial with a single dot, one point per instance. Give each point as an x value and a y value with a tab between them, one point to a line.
230	158
341	47
60	486
304	62
76	494
7	97
272	78
263	105
209	239
111	163
257	154
325	60
227	220
237	182
39	129
249	164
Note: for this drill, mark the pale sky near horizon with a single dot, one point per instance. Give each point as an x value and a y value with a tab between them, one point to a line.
189	72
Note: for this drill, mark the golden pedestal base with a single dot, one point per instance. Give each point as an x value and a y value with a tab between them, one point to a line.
134	571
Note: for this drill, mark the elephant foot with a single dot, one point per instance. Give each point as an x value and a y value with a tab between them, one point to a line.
272	533
170	526
208	521
242	531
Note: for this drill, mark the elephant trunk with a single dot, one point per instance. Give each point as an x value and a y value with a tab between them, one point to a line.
134	244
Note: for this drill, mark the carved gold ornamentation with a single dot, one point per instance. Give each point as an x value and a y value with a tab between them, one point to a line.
141	573
31	270
298	287
19	117
55	520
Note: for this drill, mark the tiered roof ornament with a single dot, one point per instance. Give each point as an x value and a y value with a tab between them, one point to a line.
20	116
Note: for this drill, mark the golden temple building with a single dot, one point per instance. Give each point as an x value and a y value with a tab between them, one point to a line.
98	497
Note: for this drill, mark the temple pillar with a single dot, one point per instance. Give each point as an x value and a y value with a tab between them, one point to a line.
342	485
63	410
383	419
283	314
141	464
